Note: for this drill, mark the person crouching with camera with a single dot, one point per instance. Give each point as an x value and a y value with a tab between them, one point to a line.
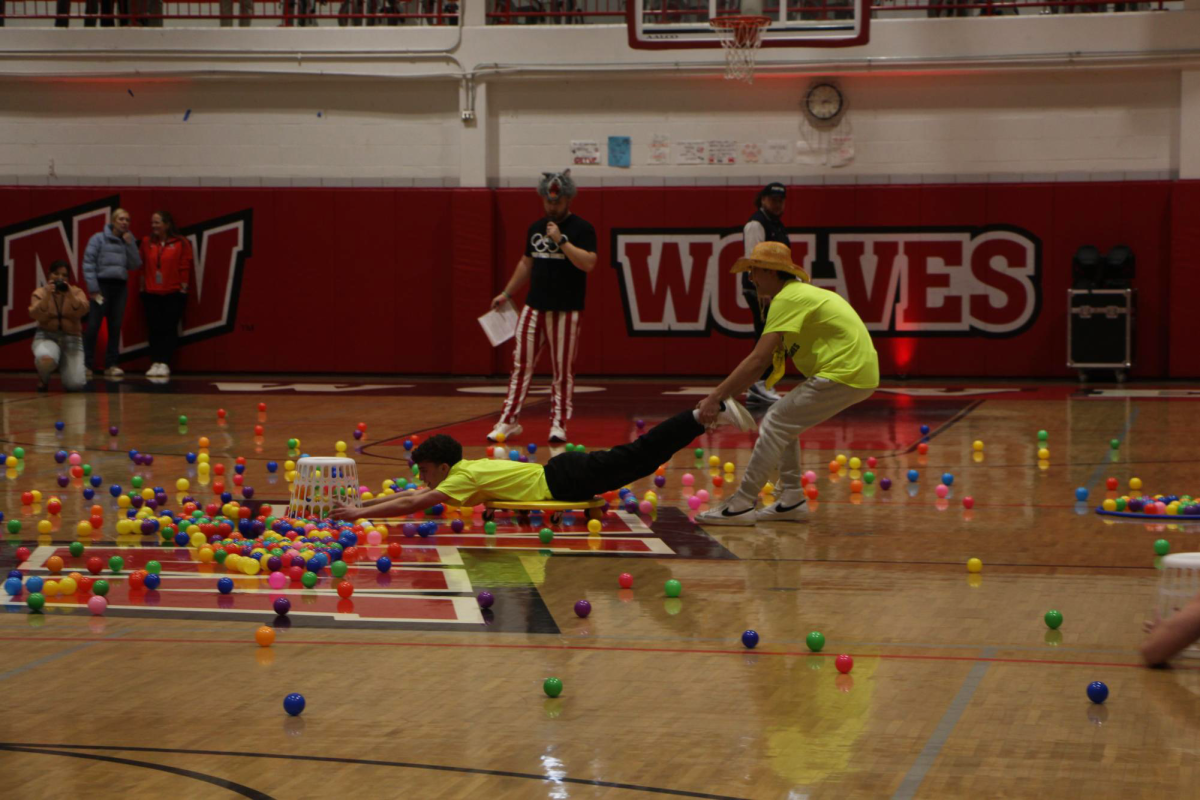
59	309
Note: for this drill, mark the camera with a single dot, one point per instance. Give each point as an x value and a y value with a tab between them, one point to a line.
60	286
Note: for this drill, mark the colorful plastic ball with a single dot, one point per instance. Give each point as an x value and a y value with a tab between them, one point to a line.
1043	454
152	581
750	639
552	687
924	430
265	636
923	448
345	589
1053	619
59	425
815	641
913	475
14	526
116	563
224	585
699	451
308	579
856	486
625	580
88	493
54	564
1112	484
1135	483
97	605
968	502
1042	436
282	606
294	704
34	584
942	490
1115	444
12	586
277	580
489	527
456	525
718	481
36	601
546	536
673	588
582	608
646	507
1097	692
868	477
974	565
485	599
1162	547
844	663
63	480
1109	504
977	445
1081	494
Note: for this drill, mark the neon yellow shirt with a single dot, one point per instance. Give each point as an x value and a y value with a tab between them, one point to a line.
473	482
823	336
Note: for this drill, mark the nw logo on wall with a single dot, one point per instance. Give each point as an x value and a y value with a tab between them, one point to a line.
220	248
949	281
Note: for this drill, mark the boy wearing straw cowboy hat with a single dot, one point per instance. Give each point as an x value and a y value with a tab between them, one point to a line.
828	343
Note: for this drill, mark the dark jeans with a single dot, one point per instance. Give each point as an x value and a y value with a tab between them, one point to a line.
106	8
163	313
760	320
582	476
112	310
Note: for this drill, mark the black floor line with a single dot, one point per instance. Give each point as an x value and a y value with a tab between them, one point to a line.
51	749
236	788
950	423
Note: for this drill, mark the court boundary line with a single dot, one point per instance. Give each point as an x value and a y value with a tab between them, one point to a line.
23	747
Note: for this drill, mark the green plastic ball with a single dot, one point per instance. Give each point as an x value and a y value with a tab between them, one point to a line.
100	588
570	448
338	568
546	535
868	477
182	419
76	549
14	526
154	567
699	452
136	481
1043	436
1115	444
87	469
815	641
35	601
489	527
309	579
1162	547
19	452
220	556
552	687
673	588
116	563
1053	619
292	444
1121	504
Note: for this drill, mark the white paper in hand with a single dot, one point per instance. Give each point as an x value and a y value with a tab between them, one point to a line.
499	325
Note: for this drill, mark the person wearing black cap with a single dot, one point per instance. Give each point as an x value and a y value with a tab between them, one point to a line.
766	225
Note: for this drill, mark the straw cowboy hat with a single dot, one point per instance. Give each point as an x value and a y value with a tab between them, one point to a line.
771	255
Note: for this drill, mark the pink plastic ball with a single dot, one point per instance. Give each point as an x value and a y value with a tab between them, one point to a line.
645	506
703	495
277	580
1161	506
97	605
942	490
811	476
374	538
688	479
363	490
693	502
75	459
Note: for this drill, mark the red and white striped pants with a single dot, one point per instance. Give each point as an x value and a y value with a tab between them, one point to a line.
535	331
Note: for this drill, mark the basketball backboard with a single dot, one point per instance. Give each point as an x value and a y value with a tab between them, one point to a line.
681	24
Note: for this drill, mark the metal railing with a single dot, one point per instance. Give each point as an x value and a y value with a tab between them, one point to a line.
227	13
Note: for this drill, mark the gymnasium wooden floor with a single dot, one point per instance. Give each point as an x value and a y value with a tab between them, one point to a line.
958	687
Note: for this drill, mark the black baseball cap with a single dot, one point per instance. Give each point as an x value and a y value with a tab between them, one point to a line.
775	189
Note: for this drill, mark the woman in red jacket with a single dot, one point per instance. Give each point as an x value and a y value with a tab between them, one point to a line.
167	271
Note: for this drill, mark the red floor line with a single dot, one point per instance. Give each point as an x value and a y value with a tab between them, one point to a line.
596	648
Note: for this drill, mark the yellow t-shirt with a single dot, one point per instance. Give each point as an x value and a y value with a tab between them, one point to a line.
473	482
823	336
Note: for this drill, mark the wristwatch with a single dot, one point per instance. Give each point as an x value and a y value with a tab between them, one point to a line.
562	239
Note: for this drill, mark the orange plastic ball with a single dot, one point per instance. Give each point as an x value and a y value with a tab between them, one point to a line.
810	491
265	636
54	564
922	448
203	441
856	486
834	466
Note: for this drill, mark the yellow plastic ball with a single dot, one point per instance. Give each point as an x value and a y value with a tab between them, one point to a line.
367	496
10	462
500	437
1043	454
123	501
385	492
768	488
147	493
1109	505
250	566
37	495
729	466
84	528
182	484
197	540
288	466
855	463
978	445
50	588
290	477
974	565
713	461
594	526
205	556
68	586
1135	483
340	447
124	527
202	458
841	460
231	561
44	526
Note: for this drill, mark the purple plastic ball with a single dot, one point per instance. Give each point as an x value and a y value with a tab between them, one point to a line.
149	526
63	480
640	423
112	430
147	459
247	492
410	529
274	563
456	526
583	608
660	481
357	433
485	599
885	483
151	504
282	606
60	456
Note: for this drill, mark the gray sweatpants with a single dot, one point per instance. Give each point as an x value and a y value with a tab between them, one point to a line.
778	445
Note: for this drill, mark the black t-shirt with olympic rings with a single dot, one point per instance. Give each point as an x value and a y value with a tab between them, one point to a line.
556	283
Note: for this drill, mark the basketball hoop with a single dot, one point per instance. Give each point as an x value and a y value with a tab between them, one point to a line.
741	36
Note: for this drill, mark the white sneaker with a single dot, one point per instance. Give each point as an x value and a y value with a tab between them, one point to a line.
778	512
759	393
736	414
164	371
557	434
509	431
153	371
722	516
114	372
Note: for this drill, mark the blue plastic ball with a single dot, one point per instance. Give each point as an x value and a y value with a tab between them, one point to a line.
1081	493
750	639
58	426
60	456
272	466
427	528
96	480
531	447
408	444
294	704
88	493
947	478
133	454
513	455
151	581
924	430
437	510
191	458
15	573
226	497
12	586
34	584
913	475
181	539
383	564
1097	692
239	468
225	585
114	490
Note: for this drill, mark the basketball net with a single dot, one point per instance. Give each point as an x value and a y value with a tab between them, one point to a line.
741	36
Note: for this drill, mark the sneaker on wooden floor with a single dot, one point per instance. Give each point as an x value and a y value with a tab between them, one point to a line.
505	429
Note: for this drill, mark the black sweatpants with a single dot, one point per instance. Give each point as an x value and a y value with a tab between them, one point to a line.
760	320
163	312
582	476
